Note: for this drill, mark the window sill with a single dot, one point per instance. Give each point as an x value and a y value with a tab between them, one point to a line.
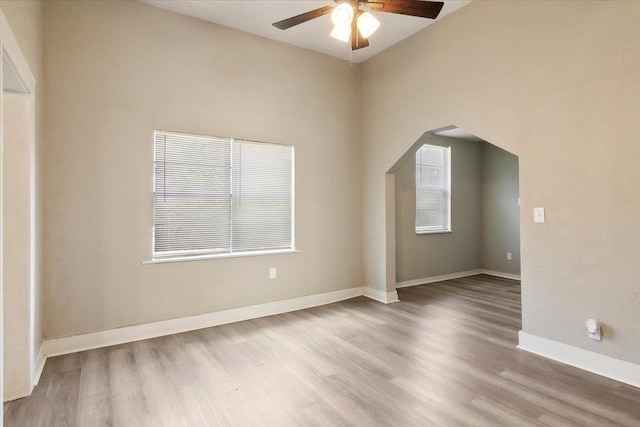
435	232
219	256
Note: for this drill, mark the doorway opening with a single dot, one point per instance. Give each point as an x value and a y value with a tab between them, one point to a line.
17	219
482	234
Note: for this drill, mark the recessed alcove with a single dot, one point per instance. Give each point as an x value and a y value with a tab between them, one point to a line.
484	213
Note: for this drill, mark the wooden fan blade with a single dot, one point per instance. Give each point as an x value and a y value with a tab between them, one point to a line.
303	17
357	41
372	4
422	9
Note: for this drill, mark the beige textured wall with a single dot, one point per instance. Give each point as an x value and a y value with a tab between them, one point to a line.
26	19
419	256
500	229
119	70
555	83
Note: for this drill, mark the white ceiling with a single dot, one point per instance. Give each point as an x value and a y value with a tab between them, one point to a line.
460	134
256	16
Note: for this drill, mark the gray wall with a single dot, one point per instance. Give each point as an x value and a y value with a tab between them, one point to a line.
425	255
484	213
500	229
117	71
555	83
549	85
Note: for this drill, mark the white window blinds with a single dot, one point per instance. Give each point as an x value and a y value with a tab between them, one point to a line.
433	189
262	196
219	195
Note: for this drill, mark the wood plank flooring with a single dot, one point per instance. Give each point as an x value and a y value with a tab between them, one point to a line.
443	356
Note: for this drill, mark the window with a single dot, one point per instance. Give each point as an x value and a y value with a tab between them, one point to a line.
221	196
433	189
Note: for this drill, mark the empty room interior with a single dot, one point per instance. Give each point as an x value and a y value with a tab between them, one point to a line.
319	213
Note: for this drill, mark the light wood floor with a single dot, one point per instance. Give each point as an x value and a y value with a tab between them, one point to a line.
443	356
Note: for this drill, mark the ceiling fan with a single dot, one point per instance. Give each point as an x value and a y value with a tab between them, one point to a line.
351	23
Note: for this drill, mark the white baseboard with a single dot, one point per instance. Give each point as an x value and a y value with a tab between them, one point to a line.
14	396
458	275
127	334
38	366
600	364
440	278
503	275
36	371
381	296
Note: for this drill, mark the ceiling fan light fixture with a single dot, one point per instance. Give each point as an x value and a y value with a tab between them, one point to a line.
367	24
353	24
342	15
342	33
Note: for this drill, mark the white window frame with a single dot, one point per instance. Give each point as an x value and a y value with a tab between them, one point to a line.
445	189
188	255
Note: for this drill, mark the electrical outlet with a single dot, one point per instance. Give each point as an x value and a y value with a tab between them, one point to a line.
272	273
508	256
594	329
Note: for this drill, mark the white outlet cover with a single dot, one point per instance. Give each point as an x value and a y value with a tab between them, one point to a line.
272	273
538	215
594	329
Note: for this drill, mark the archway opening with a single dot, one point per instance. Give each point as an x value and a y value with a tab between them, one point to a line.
454	220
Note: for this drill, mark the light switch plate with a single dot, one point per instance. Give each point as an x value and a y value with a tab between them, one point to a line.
272	273
538	215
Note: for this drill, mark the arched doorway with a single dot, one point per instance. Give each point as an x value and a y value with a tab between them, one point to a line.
483	225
